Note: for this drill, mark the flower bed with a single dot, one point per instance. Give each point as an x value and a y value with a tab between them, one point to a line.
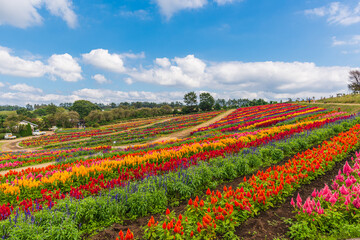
78	134
149	133
220	212
331	211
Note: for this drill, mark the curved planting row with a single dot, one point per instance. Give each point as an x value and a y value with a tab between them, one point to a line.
220	212
56	216
245	117
11	160
91	176
74	135
145	134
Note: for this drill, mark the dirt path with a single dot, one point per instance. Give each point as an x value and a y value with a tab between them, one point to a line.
43	164
31	167
13	145
181	134
176	135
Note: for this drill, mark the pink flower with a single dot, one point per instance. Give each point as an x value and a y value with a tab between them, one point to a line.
340	177
356	166
347	169
356	202
335	185
344	190
298	201
348	182
347	200
333	200
292	202
313	193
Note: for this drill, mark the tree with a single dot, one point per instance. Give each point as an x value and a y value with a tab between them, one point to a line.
2	120
29	107
190	100
217	106
24	112
354	77
165	109
51	108
95	116
206	102
25	130
83	107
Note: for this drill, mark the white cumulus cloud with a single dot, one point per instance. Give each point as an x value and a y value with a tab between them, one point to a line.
99	78
23	87
338	13
62	9
16	66
25	13
276	77
101	58
186	72
65	67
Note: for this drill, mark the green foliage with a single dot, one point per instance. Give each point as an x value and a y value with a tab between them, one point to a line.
190	100
83	107
25	130
206	102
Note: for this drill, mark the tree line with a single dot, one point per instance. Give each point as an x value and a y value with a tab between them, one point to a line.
68	115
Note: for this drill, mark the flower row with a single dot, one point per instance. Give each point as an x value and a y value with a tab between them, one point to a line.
220	212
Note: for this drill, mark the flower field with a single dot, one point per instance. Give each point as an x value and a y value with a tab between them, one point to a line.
66	136
274	149
146	134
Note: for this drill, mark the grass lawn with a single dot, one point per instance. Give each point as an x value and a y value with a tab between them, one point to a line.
351	98
344	108
7	112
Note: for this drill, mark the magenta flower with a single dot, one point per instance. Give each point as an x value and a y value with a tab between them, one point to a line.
340	177
335	185
298	201
356	166
313	193
356	202
344	190
347	200
292	202
348	182
333	200
347	169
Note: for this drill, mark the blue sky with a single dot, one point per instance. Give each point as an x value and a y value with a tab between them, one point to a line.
157	50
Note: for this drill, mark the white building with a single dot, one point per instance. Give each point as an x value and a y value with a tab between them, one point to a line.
32	125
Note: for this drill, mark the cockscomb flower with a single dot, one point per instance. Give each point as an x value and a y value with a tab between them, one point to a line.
347	169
